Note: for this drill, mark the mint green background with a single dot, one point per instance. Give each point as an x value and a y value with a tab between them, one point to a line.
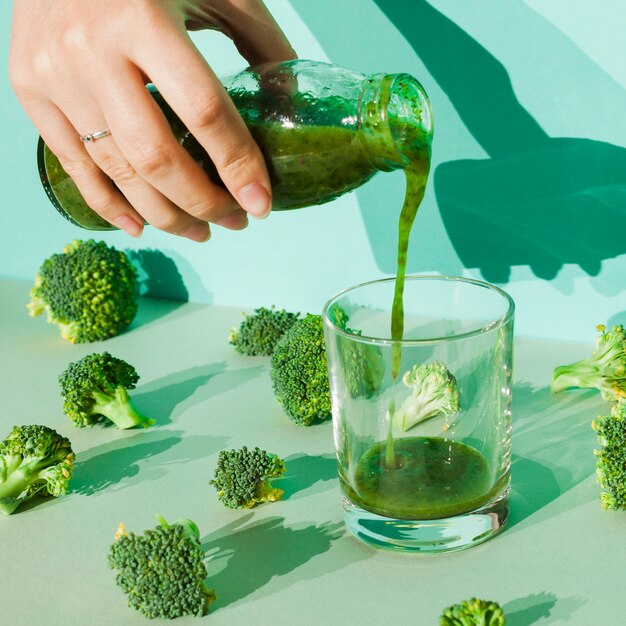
529	173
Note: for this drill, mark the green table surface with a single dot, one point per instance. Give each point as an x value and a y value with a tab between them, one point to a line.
561	559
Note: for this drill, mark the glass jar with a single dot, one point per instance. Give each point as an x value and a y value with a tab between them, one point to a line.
323	131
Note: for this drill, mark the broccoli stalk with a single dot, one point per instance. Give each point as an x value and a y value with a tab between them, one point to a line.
117	407
96	387
162	571
34	460
243	477
89	291
259	333
473	612
434	391
604	370
611	458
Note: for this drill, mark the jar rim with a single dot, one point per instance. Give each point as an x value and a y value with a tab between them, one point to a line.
487	328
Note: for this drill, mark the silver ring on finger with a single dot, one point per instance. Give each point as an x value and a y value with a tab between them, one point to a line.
95	136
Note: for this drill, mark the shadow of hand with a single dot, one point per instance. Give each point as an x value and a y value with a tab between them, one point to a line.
559	204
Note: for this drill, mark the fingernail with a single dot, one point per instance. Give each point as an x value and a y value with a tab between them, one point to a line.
198	231
128	225
255	200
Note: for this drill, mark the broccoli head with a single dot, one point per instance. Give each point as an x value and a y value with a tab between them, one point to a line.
89	291
611	458
162	572
243	477
605	369
34	460
259	333
95	388
299	372
473	612
434	391
362	364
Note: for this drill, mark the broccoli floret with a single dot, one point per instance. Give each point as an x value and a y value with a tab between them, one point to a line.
434	391
243	477
95	388
605	369
259	333
611	458
473	612
89	291
162	571
339	316
34	460
362	364
299	372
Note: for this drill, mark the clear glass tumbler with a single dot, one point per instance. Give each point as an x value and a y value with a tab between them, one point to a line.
424	458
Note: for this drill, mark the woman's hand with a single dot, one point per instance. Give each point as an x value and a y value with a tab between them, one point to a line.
80	66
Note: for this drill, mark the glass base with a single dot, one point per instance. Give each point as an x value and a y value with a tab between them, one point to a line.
434	535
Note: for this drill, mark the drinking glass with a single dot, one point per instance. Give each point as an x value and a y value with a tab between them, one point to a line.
424	453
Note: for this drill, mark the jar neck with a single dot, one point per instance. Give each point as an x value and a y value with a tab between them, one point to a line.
395	120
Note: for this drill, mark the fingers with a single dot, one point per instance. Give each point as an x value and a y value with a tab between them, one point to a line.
156	209
200	100
153	164
258	36
83	73
97	190
153	206
237	220
252	28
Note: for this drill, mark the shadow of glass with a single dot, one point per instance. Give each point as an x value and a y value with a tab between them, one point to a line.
158	275
118	464
533	486
163	398
245	557
553	444
540	606
306	470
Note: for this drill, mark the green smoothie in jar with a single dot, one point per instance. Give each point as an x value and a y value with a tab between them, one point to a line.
323	130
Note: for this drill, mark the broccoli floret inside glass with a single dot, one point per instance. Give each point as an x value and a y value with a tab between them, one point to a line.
434	391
